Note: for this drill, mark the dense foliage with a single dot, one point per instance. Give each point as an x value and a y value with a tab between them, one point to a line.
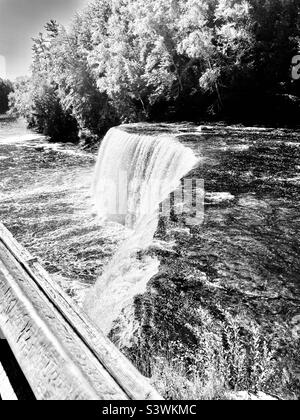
5	89
129	60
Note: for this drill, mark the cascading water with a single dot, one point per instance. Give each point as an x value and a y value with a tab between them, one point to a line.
134	174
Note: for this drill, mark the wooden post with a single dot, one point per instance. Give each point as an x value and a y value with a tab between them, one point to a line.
61	353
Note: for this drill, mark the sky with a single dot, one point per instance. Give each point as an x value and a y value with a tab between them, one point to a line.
20	20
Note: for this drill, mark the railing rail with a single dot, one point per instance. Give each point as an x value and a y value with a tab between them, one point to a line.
61	353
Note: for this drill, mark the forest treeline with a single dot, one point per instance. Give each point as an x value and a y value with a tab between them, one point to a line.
6	87
132	60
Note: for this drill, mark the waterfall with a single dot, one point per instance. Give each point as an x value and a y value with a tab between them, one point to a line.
134	174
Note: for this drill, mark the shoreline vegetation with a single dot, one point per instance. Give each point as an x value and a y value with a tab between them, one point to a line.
168	61
6	88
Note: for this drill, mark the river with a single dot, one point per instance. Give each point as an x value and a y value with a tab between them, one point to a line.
244	257
45	195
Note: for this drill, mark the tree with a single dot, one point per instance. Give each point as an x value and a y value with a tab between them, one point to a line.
6	88
131	60
21	100
77	89
37	98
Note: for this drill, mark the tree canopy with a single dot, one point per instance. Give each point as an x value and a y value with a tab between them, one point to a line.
6	88
131	60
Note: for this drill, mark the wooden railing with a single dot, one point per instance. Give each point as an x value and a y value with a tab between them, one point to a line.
61	353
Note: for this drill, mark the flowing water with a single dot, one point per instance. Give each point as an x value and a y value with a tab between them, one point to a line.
245	255
45	196
134	174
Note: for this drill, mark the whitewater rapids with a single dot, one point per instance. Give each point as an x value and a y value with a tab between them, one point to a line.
134	174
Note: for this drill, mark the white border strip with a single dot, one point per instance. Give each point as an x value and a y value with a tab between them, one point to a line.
6	391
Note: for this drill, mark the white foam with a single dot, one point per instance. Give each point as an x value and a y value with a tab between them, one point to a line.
134	174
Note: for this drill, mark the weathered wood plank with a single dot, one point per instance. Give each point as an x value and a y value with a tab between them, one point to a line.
71	326
55	362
